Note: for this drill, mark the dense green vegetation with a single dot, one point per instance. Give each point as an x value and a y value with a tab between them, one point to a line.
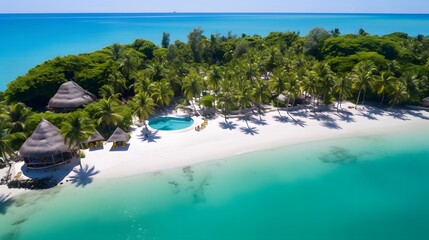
224	72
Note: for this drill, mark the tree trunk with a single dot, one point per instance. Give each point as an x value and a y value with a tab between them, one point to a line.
145	125
324	96
193	106
214	102
363	99
357	100
224	113
339	102
314	104
382	99
287	106
8	171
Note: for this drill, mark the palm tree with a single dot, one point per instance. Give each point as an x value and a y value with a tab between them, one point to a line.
192	87
5	148
128	65
142	83
107	113
335	32
118	82
399	93
76	130
342	86
107	91
214	78
261	93
227	101
156	70
175	78
250	70
6	142
394	67
162	93
144	107
325	78
294	89
272	57
16	114
362	77
244	94
383	83
116	51
311	86
413	83
278	83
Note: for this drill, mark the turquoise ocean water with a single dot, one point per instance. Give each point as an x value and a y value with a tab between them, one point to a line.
30	39
373	187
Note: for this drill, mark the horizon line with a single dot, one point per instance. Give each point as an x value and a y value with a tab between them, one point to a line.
202	12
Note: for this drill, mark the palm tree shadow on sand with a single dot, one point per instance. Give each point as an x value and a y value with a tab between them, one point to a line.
282	119
258	121
299	122
367	115
418	114
5	203
83	175
249	130
331	125
228	125
150	137
398	115
345	116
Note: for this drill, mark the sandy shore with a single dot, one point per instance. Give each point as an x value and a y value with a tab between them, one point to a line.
220	139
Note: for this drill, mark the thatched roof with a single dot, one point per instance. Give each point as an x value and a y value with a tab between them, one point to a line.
119	136
71	95
425	102
45	141
95	136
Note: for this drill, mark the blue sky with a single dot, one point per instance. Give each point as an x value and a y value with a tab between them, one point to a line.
349	6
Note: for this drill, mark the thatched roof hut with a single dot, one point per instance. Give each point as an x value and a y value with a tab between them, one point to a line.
119	136
425	102
95	137
69	97
45	147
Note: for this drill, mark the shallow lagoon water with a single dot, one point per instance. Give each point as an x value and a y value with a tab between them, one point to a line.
371	187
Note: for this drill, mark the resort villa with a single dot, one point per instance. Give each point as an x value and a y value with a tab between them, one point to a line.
45	147
69	97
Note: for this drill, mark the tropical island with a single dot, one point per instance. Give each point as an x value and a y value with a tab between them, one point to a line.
275	90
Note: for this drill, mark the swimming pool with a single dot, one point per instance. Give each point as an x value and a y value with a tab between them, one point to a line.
170	123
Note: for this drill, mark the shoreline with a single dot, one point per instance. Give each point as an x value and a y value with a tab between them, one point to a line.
168	150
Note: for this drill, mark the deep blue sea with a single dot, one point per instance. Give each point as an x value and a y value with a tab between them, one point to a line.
30	39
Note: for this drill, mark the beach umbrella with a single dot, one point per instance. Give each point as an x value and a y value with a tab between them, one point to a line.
95	137
119	136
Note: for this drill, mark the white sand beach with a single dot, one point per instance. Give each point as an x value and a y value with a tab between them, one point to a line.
220	139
